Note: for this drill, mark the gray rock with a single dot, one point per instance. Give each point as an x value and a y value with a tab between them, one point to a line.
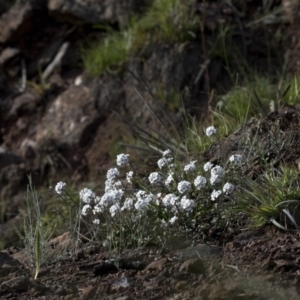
17	21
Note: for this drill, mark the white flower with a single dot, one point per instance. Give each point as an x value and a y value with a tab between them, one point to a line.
169	180
97	209
112	174
173	220
87	195
140	204
187	204
217	171
190	167
215	194
85	209
158	198
128	204
199	182
210	130
155	178
114	209
143	195
143	200
228	188
111	197
169	200
208	166
215	179
236	158
167	153
184	187
96	221
59	187
129	176
162	162
122	160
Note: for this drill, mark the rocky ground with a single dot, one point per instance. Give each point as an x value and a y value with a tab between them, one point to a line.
56	122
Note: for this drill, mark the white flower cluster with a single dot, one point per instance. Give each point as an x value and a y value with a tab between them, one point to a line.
210	130
190	167
199	182
59	187
122	160
143	200
217	174
166	160
184	187
236	159
182	194
155	178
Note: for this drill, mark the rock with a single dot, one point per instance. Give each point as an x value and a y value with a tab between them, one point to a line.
285	265
158	264
7	158
8	54
232	246
194	265
202	251
7	264
72	117
91	11
18	284
88	292
18	21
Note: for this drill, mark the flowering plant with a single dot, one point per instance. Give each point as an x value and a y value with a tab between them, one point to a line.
176	199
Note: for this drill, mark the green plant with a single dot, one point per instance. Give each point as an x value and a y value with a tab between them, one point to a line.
274	197
35	235
165	20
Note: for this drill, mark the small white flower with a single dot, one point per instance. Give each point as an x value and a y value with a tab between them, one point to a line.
184	187
208	166
217	171
228	188
187	204
97	209
128	204
173	220
236	158
87	195
59	187
169	200
167	153
169	180
144	195
190	167
162	162
215	194
215	179
111	197
155	178
96	221
199	182
85	209
112	174
140	204
143	200
210	130
129	176
122	160
114	209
